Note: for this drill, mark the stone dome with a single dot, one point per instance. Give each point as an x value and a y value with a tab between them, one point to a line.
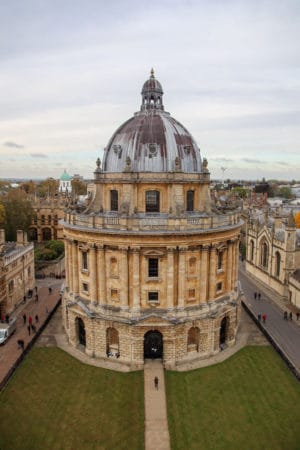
152	140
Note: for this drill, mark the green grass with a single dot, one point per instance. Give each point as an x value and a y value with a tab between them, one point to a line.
251	401
55	402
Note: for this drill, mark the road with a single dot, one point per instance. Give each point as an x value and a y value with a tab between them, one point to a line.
286	333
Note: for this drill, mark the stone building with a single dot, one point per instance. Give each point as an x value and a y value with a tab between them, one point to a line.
65	183
151	264
273	249
46	224
16	271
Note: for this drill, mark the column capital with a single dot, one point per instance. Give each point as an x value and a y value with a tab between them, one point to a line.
171	249
135	249
182	248
206	247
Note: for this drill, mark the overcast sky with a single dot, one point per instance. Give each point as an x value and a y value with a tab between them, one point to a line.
71	72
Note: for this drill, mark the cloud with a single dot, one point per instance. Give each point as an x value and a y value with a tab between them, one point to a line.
38	155
253	161
12	145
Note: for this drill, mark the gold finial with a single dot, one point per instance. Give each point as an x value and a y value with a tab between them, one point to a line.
152	73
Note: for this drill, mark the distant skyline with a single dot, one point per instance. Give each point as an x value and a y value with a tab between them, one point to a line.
71	72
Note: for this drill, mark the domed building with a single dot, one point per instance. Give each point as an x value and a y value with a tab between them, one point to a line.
151	264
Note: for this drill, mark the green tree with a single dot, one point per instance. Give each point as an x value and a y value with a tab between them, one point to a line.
78	187
19	213
285	192
2	215
241	192
47	187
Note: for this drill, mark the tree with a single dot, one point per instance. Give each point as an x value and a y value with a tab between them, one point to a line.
297	219
19	213
52	250
78	187
241	192
48	187
285	192
28	186
2	215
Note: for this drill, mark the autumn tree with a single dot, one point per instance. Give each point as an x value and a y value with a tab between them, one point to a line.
297	219
2	215
19	213
78	187
47	187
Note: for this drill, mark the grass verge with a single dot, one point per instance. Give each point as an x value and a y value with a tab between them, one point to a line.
55	402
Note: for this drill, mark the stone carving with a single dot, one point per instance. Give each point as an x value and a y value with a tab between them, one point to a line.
177	164
204	165
128	164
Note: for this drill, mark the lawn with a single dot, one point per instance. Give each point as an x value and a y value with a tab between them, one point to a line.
55	402
251	401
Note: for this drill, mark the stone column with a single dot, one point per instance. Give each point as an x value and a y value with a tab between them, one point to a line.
181	276
136	277
235	256
204	273
75	272
101	267
68	263
93	273
170	277
124	278
212	273
229	265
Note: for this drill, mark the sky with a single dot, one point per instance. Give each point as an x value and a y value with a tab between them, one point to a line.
71	72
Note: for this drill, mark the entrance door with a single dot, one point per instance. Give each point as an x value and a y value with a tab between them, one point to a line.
153	345
223	330
81	331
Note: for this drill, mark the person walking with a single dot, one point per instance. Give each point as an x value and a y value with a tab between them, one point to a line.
36	298
255	295
36	318
28	328
264	318
297	315
30	320
50	290
156	382
291	315
24	318
259	295
259	317
285	315
21	344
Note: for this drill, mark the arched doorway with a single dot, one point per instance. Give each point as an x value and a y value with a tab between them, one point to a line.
223	332
81	331
153	345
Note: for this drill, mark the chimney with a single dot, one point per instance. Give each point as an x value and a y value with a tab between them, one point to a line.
20	237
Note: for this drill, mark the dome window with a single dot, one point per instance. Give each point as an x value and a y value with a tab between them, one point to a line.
118	150
152	150
114	200
190	201
152	201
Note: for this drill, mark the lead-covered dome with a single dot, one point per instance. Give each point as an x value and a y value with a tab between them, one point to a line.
152	140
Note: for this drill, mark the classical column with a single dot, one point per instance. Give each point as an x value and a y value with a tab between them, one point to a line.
93	273
229	265
101	275
212	273
68	262
181	276
235	257
124	277
204	273
136	277
170	277
75	283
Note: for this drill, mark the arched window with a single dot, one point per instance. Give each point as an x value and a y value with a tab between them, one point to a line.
251	250
277	264
112	342
190	201
114	200
264	255
193	339
32	234
46	234
152	201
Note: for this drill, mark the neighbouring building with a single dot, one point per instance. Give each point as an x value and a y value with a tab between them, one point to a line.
273	250
16	271
151	263
46	224
65	183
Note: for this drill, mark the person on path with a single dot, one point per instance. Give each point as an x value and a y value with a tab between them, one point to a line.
30	320
291	315
255	295
7	318
36	318
297	315
28	328
264	318
36	298
50	290
156	382
24	318
259	317
21	344
259	295
285	315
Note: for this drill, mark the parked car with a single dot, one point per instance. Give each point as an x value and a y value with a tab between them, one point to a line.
7	329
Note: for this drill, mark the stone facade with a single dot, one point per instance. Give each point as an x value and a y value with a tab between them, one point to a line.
151	270
16	271
48	214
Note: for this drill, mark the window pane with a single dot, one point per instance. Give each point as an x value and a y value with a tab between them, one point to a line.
190	201
152	201
114	200
153	267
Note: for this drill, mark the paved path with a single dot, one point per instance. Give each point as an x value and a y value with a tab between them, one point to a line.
156	422
9	352
286	333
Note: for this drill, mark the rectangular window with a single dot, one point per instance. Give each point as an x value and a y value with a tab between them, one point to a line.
114	200
152	267
153	296
84	261
11	286
190	201
85	287
219	287
152	201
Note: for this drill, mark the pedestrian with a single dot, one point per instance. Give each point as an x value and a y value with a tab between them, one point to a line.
264	318
21	344
297	315
28	328
35	289
36	318
30	320
36	298
255	295
50	290
291	315
285	315
156	382
24	318
259	317
259	295
24	299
